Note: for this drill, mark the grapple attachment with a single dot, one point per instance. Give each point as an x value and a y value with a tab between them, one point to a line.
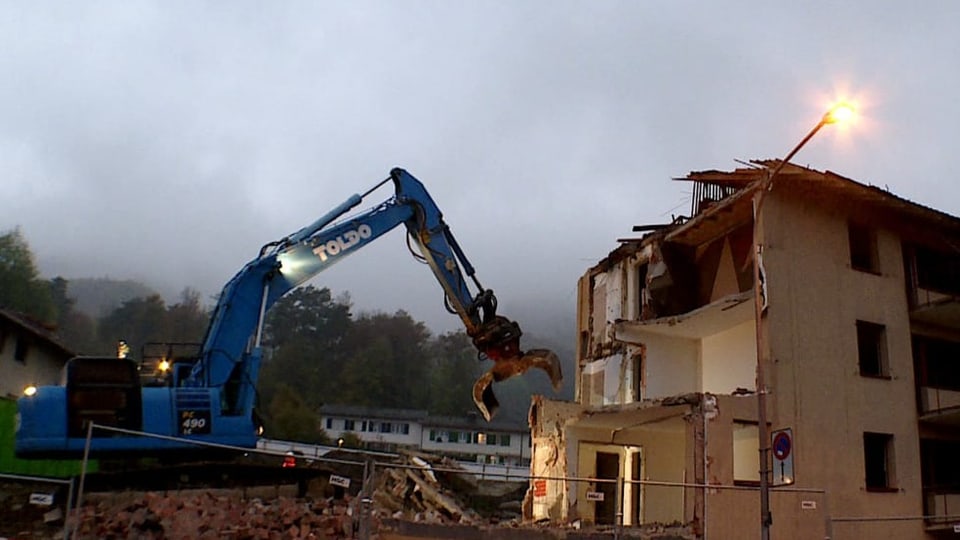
504	368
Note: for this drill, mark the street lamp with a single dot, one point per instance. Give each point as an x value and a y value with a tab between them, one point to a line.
838	113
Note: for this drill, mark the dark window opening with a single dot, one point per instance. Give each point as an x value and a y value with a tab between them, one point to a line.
938	362
329	423
863	249
348	425
641	289
878	461
938	468
871	349
638	376
20	350
937	271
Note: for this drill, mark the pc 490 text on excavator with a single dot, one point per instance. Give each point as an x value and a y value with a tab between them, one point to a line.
210	397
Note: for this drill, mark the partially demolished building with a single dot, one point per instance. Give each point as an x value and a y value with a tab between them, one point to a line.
860	333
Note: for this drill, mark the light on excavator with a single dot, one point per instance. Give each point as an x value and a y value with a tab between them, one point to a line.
30	391
164	365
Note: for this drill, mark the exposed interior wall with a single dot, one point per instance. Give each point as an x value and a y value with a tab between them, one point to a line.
725	281
611	380
552	450
729	359
663	449
671	365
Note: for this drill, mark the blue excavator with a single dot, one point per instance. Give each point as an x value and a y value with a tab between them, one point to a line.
209	396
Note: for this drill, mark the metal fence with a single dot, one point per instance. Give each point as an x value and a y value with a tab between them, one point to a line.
613	505
46	499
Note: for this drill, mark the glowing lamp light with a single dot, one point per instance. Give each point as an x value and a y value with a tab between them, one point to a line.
164	365
30	391
839	113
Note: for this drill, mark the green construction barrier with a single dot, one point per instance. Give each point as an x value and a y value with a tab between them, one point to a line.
10	464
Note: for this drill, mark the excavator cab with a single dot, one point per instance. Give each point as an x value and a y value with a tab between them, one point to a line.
102	390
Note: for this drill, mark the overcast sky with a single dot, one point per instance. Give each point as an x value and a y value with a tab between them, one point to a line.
167	141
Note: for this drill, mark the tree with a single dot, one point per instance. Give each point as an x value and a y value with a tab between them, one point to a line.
304	332
290	419
75	329
387	362
21	288
187	320
137	321
308	312
455	368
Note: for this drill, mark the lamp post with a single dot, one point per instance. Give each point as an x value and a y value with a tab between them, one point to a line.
836	114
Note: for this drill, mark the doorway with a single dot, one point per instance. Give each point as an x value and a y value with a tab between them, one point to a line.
608	468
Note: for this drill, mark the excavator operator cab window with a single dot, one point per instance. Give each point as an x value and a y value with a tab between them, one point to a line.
102	390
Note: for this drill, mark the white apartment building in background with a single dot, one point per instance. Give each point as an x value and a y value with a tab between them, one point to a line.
467	438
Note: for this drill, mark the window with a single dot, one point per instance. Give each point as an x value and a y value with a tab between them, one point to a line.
936	270
385	427
641	290
453	436
329	423
348	424
405	428
479	438
878	461
746	453
20	350
492	438
863	249
871	349
505	439
936	362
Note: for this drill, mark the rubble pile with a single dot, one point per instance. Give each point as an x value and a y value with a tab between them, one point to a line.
210	514
425	488
416	489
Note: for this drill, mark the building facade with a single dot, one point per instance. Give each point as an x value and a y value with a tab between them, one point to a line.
860	344
467	438
30	355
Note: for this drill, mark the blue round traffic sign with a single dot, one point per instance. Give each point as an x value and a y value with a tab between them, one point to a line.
781	445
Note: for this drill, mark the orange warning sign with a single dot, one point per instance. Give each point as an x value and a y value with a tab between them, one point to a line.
539	488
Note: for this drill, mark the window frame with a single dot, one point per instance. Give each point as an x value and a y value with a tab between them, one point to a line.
872	350
864	248
754	427
878	451
20	349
